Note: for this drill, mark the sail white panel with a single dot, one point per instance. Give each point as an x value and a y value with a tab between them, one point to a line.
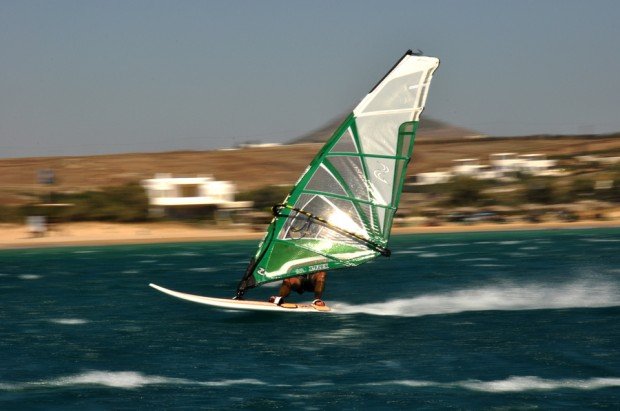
381	174
378	134
408	82
399	93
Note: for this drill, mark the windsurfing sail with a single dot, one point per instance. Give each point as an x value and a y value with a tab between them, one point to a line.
340	212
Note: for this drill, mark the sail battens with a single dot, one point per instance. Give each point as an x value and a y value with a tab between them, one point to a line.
359	236
369	155
368	202
340	212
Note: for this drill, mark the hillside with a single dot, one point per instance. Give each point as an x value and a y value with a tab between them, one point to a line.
429	129
250	168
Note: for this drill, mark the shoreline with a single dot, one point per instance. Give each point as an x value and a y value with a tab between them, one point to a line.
97	233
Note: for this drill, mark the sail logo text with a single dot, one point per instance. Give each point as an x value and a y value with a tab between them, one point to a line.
318	267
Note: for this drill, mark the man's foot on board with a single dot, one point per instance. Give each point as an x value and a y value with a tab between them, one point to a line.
318	302
275	299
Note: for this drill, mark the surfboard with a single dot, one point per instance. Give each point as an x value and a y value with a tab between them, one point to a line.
249	305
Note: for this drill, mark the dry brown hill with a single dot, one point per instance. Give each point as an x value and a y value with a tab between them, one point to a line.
251	168
429	129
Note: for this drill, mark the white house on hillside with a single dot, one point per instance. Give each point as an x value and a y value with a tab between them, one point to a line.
537	165
503	166
432	177
180	196
505	163
465	166
470	167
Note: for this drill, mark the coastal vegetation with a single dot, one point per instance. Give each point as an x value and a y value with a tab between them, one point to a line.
126	203
108	188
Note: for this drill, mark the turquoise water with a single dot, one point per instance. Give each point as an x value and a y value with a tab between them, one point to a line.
515	320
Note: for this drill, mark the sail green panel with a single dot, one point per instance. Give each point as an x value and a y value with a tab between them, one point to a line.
302	245
287	259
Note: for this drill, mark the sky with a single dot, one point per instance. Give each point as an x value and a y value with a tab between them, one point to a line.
94	77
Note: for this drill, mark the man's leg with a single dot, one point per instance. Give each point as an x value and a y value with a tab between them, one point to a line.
319	286
288	284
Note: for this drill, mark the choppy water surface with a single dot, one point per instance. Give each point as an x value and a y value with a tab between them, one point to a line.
489	320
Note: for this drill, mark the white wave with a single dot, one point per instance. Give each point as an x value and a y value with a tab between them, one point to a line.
123	380
68	321
343	334
435	255
519	384
131	272
517	254
449	245
601	240
317	384
228	383
203	269
513	384
29	277
505	298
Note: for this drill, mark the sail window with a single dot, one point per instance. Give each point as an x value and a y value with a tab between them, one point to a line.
324	181
351	170
346	144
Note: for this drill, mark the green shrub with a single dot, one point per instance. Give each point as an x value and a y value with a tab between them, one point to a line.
127	203
465	191
10	214
539	190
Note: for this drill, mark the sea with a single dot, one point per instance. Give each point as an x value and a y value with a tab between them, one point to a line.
498	320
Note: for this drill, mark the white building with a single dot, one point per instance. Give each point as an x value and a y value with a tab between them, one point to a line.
470	167
537	165
503	166
508	164
466	166
505	163
432	177
605	161
189	195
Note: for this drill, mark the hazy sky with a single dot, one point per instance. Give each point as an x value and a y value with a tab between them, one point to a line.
91	77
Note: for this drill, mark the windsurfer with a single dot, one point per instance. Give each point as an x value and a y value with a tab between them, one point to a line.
308	282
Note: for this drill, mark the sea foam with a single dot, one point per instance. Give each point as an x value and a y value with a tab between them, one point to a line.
121	379
68	321
29	277
512	384
505	298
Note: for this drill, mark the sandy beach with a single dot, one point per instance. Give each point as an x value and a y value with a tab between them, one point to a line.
98	233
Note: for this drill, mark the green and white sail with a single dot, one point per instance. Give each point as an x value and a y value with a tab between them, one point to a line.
340	212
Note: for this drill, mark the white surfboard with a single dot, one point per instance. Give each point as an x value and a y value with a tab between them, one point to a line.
243	304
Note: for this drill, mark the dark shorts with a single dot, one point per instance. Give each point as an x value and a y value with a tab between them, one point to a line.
306	283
